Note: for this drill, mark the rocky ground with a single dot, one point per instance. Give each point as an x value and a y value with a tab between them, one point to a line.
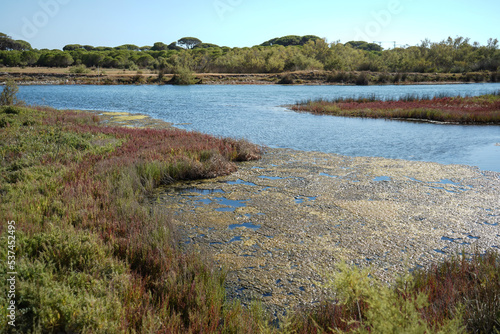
277	224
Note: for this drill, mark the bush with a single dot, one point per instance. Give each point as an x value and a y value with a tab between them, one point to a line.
362	80
79	69
182	76
367	305
8	96
339	77
286	80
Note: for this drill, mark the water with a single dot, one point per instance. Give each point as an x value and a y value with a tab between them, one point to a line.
257	114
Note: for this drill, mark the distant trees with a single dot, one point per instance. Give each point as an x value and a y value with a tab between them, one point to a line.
72	47
290	40
287	53
189	42
55	59
206	46
159	46
362	45
7	43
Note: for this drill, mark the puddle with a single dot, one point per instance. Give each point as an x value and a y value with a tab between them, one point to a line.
237	238
328	175
231	204
444	182
301	199
247	225
447	181
204	201
270	177
382	178
239	181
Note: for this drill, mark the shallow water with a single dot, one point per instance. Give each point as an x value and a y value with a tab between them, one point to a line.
257	114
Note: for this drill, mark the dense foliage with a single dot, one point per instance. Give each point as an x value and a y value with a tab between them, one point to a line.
288	53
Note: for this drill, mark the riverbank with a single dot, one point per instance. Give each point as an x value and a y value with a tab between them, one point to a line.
62	76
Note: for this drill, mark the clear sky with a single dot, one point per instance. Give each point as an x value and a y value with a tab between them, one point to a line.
237	23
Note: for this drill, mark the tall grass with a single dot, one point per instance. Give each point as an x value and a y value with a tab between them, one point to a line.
484	109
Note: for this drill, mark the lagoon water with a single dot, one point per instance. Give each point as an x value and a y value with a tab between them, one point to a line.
257	113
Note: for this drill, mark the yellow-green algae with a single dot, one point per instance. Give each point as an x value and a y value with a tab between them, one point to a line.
318	209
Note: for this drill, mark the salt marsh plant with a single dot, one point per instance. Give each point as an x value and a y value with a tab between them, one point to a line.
484	109
94	256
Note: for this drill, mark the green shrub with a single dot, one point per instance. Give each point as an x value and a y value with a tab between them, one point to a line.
8	95
79	69
286	80
362	80
366	305
67	282
182	76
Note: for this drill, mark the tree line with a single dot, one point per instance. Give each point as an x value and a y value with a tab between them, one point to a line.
287	53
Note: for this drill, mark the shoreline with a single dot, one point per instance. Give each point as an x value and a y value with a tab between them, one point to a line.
276	223
48	76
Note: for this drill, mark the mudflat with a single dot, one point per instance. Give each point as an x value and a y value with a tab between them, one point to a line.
279	223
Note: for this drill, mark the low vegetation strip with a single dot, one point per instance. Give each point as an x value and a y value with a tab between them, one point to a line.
484	109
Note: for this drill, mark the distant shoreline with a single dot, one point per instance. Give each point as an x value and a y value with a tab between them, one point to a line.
61	76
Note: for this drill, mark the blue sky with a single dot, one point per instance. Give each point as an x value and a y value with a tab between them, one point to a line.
238	23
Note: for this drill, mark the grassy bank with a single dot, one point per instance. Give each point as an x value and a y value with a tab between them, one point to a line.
93	257
484	109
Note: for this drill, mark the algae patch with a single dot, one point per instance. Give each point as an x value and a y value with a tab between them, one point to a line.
292	215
